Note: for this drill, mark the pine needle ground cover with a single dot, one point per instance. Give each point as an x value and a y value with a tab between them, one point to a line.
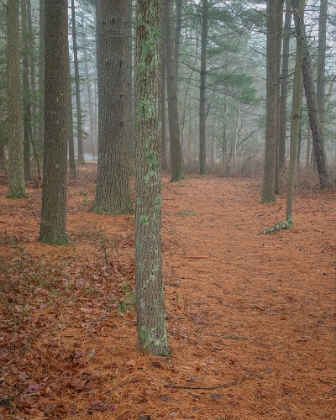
251	318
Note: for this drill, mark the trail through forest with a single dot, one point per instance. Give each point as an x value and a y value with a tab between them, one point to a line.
251	318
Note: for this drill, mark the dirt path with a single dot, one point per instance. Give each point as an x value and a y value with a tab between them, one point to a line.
251	318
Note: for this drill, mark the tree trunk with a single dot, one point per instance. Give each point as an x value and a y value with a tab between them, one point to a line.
173	117
164	163
113	192
27	123
178	29
312	106
151	321
284	87
41	69
81	160
54	189
203	73
16	184
130	89
2	157
298	10
273	56
321	55
72	160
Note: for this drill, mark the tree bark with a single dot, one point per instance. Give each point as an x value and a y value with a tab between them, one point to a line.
203	73
113	192
72	160
284	87
16	184
151	323
54	189
298	10
80	148
27	123
321	56
314	117
273	56
178	29
164	163
173	117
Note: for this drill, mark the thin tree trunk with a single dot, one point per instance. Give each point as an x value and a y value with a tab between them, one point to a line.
130	88
173	117
284	87
72	160
41	76
203	73
81	160
298	9
178	29
16	184
321	56
312	106
27	123
164	163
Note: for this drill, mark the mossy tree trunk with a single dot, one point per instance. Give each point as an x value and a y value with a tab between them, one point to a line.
151	323
16	184
54	189
112	193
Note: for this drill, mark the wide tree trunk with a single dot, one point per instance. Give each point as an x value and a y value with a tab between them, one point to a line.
313	112
173	117
54	189
151	318
203	73
113	192
273	57
16	184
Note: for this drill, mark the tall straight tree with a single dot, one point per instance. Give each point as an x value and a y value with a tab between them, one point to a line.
312	105
273	56
54	189
80	149
203	73
173	117
298	10
151	322
284	85
321	57
16	184
112	193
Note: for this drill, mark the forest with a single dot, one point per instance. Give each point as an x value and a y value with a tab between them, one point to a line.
167	209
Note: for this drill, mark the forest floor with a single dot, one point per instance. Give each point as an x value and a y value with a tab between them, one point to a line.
251	318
